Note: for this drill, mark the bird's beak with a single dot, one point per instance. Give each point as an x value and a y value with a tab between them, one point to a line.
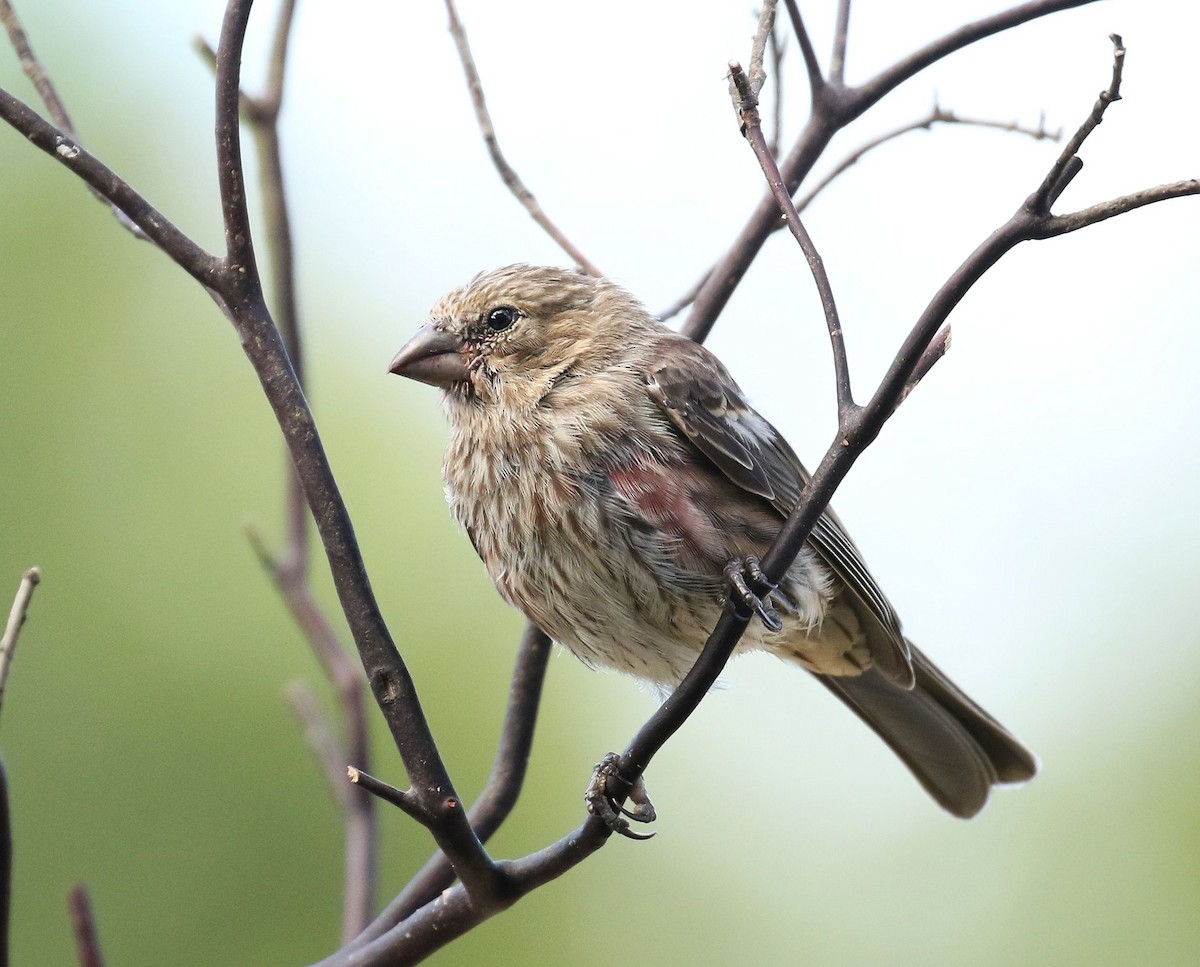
432	356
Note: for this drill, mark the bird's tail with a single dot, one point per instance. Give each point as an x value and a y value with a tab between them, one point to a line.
956	750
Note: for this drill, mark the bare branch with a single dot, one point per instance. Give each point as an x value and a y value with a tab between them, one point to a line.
777	52
937	115
83	924
841	33
40	78
239	244
898	73
758	50
747	107
816	80
198	263
317	731
358	809
33	69
16	618
8	650
1061	224
404	801
684	300
506	171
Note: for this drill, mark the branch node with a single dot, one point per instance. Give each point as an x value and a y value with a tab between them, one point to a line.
406	802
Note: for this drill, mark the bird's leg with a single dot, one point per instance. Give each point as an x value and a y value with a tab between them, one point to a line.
752	592
600	802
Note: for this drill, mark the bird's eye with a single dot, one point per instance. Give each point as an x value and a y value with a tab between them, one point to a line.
501	318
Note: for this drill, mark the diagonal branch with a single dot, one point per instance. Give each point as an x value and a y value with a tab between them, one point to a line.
83	925
746	103
1061	224
40	78
16	619
507	173
66	150
8	649
33	69
816	80
757	75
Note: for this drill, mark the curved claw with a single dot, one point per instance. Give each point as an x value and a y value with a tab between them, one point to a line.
748	581
600	802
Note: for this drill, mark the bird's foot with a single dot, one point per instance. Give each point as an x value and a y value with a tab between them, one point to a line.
601	802
754	594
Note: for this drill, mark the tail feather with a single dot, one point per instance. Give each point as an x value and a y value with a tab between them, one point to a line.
956	750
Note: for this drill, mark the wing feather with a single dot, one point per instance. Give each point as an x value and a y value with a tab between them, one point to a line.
700	398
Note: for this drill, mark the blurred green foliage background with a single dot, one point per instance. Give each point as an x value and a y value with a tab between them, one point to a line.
151	756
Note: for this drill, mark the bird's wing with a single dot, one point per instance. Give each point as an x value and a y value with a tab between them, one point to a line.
700	398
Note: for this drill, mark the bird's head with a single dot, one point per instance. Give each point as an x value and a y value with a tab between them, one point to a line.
508	335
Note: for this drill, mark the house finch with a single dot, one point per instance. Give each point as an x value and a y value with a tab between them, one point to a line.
609	470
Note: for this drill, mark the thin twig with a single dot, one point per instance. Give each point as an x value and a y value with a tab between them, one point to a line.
812	67
747	107
16	618
841	34
937	115
33	69
1060	175
684	300
83	924
404	801
777	54
40	78
317	731
758	50
507	174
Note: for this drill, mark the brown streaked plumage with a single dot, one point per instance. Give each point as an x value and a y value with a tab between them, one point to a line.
607	469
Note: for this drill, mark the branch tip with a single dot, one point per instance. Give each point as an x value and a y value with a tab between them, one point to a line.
506	171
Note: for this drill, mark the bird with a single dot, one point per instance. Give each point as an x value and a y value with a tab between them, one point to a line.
613	479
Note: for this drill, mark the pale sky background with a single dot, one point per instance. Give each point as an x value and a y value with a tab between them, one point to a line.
1031	511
